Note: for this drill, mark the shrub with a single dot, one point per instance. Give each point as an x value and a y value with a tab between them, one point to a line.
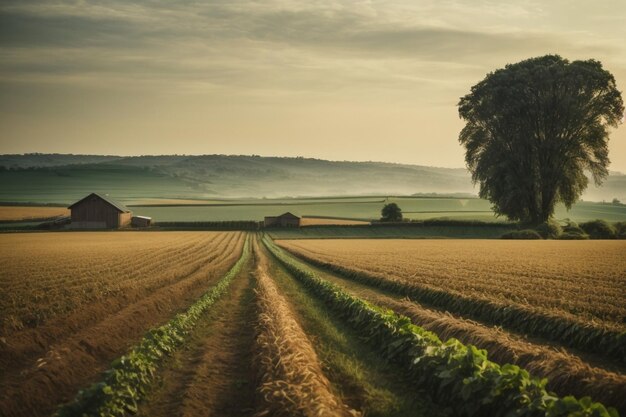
550	229
620	230
527	234
599	229
573	232
573	229
573	236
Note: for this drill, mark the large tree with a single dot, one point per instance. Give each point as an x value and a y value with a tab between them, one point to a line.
534	131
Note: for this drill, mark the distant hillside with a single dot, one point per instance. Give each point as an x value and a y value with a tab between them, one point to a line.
32	160
63	177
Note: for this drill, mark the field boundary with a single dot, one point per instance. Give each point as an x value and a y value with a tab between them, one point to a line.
126	382
459	376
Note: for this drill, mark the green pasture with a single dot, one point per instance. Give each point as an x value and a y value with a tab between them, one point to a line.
416	208
133	185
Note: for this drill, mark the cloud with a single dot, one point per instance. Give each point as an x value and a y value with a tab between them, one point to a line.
287	45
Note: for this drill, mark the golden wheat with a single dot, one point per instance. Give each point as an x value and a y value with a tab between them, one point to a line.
14	213
292	381
44	275
581	279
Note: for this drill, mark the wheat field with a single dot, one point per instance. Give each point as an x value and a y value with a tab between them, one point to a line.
583	279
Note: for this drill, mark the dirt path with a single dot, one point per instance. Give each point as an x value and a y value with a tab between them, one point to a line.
212	374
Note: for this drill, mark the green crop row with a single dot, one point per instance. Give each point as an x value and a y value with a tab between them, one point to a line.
126	382
457	376
584	336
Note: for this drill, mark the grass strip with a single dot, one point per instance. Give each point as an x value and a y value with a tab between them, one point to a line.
129	377
459	376
573	333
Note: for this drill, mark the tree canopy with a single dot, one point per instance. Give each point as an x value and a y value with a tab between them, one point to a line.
391	213
535	130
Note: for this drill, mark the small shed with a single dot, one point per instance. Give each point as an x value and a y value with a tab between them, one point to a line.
284	220
97	211
140	221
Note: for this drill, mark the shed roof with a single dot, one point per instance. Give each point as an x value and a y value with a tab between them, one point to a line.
119	206
288	214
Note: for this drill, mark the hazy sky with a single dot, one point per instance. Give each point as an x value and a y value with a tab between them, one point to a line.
342	80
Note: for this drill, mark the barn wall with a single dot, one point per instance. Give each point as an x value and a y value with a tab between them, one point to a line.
95	210
124	219
289	222
270	221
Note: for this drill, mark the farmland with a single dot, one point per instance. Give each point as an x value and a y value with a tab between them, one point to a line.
30	213
486	284
235	324
355	208
578	280
87	298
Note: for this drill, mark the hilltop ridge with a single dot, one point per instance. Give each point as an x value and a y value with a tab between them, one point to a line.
230	176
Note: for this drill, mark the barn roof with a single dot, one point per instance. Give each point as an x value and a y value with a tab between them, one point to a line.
288	214
119	206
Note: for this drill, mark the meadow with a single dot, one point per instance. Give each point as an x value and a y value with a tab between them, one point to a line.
354	208
234	323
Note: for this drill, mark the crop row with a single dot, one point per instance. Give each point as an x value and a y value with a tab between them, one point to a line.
579	280
291	378
56	287
560	328
129	376
456	375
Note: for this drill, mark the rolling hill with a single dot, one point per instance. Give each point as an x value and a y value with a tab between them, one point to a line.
64	178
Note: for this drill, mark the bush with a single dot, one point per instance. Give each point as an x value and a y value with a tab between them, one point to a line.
527	234
550	229
573	229
573	232
573	236
620	230
599	229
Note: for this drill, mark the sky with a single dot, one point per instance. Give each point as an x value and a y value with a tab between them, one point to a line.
340	80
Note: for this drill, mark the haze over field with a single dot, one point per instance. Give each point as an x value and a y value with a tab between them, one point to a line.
65	178
344	80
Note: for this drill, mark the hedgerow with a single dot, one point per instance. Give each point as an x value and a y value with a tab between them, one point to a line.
459	376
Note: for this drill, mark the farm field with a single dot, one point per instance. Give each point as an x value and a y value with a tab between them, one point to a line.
30	213
71	303
355	208
486	284
230	324
581	280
